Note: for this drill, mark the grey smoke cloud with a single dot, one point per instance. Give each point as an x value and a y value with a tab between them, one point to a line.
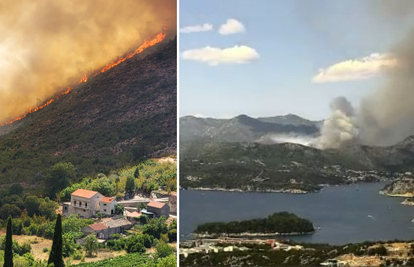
386	116
341	127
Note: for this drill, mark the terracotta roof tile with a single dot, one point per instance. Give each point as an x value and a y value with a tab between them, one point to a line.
84	193
107	199
98	226
156	204
134	214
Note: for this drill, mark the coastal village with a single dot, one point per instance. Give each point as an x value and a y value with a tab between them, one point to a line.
396	253
89	204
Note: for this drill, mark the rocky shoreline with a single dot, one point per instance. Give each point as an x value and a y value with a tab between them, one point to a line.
284	191
250	235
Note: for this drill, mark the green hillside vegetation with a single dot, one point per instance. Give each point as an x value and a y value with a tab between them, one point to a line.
282	222
132	260
258	166
148	176
155	233
313	255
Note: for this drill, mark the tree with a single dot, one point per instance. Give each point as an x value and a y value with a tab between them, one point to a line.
143	219
100	215
8	250
140	151
172	231
104	186
56	254
136	173
48	209
141	206
119	209
130	184
32	204
117	180
9	210
164	250
91	245
14	200
16	189
170	261
58	177
135	244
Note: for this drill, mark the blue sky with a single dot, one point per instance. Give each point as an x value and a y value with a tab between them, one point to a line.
292	40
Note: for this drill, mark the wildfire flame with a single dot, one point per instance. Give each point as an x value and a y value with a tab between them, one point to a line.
158	39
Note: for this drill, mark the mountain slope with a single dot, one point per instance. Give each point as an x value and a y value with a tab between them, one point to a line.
261	167
107	122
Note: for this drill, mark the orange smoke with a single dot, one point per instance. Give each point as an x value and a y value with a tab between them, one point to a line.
158	39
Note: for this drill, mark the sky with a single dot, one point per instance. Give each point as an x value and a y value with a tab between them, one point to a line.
279	57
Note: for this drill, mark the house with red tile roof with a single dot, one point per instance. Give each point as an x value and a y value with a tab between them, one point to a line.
157	208
83	202
98	229
107	205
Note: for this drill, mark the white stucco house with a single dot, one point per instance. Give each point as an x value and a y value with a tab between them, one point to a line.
107	205
83	202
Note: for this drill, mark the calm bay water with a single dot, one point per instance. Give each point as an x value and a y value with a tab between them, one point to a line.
345	213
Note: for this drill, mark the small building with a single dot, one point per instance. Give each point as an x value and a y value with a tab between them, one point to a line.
159	208
65	208
172	201
132	215
117	226
107	205
83	202
98	229
148	213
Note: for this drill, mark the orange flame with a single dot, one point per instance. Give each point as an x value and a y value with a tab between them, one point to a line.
145	45
158	39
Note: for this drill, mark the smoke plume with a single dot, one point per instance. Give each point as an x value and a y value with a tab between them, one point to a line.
47	45
340	127
386	116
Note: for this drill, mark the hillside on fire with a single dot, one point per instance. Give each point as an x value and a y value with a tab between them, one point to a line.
118	117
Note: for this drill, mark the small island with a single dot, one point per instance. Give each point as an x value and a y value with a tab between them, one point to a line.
277	224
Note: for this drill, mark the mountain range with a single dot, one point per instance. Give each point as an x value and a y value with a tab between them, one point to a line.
244	128
233	154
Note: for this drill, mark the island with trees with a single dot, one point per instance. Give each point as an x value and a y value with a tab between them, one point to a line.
282	223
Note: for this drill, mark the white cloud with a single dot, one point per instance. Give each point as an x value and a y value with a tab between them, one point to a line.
197	28
232	26
215	56
355	69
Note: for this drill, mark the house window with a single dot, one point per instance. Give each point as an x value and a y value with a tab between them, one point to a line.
86	205
104	204
104	209
84	210
74	202
80	203
66	208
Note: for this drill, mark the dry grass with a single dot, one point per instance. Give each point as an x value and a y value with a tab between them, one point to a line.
102	254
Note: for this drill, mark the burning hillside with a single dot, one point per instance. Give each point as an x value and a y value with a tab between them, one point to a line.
159	38
114	118
47	45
